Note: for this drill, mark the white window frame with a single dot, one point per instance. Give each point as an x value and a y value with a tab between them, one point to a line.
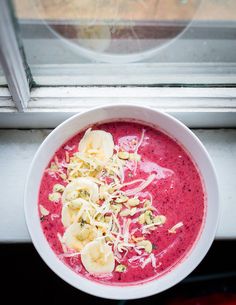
11	59
196	107
135	74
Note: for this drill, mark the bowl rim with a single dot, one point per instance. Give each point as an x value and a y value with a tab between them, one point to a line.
114	291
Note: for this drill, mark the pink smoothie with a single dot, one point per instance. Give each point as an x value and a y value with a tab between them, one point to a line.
177	193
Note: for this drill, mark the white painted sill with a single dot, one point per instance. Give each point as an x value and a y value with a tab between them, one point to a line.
17	148
48	106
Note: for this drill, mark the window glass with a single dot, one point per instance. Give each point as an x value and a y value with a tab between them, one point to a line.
3	81
150	41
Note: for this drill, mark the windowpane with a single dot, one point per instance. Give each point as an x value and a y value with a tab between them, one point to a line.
3	81
129	41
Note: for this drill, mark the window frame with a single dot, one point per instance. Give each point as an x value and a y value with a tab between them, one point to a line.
196	107
12	58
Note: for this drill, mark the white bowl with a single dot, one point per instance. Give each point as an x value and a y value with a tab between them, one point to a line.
110	113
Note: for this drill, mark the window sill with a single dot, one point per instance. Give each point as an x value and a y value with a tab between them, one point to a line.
17	148
203	107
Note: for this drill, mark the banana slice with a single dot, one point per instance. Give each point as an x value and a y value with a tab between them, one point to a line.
71	210
97	143
78	235
67	216
97	257
80	188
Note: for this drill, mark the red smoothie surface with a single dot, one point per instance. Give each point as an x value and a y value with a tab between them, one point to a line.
177	192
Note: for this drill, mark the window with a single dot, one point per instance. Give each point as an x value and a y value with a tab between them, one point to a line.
61	57
90	42
2	77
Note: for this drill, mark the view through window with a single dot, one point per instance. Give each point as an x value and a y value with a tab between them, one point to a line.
156	41
2	77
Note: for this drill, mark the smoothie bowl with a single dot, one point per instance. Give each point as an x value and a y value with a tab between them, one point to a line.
122	201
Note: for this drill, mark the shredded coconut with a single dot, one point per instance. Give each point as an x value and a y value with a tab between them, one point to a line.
141	187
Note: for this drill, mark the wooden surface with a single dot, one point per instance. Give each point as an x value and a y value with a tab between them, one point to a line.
17	148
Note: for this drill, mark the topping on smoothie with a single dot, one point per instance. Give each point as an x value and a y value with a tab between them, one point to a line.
120	268
175	227
43	211
97	257
109	205
55	197
58	188
146	245
97	210
97	143
124	155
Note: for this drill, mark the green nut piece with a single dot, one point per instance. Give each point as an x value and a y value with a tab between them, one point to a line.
58	188
55	197
123	155
120	268
133	202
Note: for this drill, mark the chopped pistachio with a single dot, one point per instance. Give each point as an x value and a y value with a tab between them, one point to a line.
148	217
147	204
111	190
159	220
124	155
146	245
125	212
133	211
55	197
43	211
141	219
58	188
133	202
120	268
53	166
121	199
116	208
